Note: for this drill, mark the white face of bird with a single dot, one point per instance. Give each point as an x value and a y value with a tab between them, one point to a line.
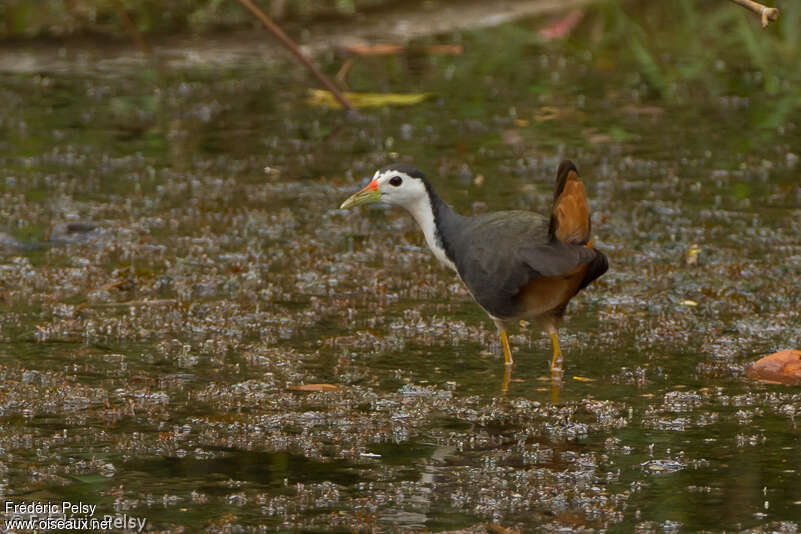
392	186
403	185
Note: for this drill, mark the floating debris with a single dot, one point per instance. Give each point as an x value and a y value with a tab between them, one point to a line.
782	367
662	466
321	98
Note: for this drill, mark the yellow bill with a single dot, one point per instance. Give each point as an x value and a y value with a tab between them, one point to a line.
365	196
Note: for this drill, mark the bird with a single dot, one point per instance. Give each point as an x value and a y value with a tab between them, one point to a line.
517	265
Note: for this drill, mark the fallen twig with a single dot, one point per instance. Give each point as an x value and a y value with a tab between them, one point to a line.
765	13
292	47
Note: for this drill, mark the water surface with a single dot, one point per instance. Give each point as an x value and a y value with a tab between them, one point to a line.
147	355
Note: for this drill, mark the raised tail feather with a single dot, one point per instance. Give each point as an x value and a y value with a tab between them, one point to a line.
570	214
570	219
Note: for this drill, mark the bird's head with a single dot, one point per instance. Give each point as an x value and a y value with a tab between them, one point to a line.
397	184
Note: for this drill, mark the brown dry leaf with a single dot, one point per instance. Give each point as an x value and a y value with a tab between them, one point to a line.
783	367
316	387
375	50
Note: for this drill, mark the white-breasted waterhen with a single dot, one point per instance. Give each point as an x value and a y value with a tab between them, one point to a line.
515	264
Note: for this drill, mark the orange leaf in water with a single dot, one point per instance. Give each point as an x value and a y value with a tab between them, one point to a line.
783	367
374	50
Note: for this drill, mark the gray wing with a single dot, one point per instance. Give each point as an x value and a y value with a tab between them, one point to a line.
501	252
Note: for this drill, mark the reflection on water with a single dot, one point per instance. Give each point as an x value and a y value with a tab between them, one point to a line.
145	357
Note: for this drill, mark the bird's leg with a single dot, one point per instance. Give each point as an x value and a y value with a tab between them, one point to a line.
507	352
556	360
556	364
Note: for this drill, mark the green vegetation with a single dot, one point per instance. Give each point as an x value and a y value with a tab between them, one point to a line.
701	40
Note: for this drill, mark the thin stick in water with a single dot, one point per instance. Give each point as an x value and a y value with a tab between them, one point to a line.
292	47
130	27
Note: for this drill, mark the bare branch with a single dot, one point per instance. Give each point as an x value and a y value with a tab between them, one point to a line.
130	27
292	47
767	14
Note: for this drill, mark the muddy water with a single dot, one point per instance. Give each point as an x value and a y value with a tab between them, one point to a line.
148	352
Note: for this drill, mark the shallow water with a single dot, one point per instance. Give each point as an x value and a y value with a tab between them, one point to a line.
146	357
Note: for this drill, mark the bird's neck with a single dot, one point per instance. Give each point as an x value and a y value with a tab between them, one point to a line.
437	220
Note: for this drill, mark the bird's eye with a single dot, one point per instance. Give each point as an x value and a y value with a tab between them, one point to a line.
396	181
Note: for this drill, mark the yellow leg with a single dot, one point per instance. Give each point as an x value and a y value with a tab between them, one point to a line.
556	368
507	352
556	361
